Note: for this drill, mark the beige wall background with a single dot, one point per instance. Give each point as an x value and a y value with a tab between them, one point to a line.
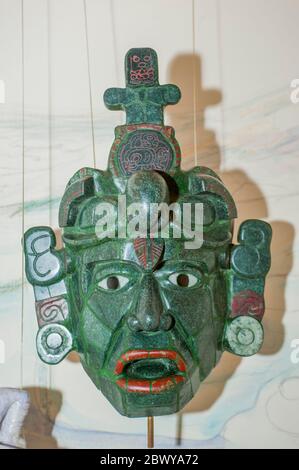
234	61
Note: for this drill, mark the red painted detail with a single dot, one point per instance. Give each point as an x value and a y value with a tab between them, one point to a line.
138	386
248	302
123	131
134	355
140	250
156	354
129	356
146	386
119	367
168	131
52	310
163	353
149	386
162	385
121	383
137	354
179	379
148	251
156	252
181	365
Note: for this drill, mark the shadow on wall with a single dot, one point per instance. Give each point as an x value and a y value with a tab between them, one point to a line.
45	405
185	72
251	204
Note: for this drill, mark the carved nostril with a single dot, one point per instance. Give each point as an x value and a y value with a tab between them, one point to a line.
167	322
150	323
134	324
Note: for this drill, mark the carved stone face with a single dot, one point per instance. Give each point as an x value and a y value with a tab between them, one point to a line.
148	315
147	338
141	67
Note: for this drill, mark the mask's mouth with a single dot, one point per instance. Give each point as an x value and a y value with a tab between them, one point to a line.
153	371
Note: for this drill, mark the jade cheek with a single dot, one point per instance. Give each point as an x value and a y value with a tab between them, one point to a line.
108	294
197	301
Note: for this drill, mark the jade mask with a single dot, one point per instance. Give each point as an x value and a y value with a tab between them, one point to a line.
148	310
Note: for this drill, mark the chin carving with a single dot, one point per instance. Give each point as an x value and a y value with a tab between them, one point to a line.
149	310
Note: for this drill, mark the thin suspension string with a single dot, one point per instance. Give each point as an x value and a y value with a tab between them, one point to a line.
220	58
194	85
115	54
50	154
114	40
23	188
89	84
49	110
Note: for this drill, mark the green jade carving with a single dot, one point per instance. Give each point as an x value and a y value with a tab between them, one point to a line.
148	315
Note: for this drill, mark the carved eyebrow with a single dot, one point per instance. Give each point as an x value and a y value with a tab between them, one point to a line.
200	265
107	262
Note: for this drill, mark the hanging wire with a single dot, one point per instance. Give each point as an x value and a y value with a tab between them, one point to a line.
194	85
23	187
120	115
113	28
49	110
50	176
89	83
220	60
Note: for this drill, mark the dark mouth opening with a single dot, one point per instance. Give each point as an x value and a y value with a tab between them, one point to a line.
154	371
150	369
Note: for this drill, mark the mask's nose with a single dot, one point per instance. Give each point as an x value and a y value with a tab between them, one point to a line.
148	315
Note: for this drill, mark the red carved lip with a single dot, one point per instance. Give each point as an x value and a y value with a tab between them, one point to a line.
157	385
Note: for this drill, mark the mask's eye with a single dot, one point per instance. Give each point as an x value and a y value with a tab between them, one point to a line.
114	282
183	279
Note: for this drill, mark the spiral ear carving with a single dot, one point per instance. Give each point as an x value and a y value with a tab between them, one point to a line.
243	336
46	269
249	264
43	264
251	258
53	343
